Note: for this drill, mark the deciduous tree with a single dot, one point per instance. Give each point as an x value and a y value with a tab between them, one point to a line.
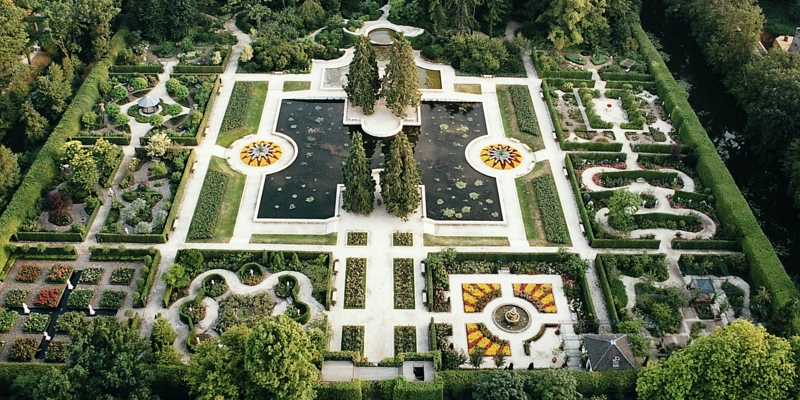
9	171
216	369
363	82
739	361
401	82
621	207
554	384
35	124
500	385
158	144
13	36
278	359
52	91
359	194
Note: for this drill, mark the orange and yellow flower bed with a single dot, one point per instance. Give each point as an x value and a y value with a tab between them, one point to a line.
261	153
479	335
501	156
538	294
477	295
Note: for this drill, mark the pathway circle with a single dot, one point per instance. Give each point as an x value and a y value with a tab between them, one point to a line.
262	154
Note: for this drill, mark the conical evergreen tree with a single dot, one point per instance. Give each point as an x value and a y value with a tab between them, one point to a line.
400	179
363	82
359	194
401	82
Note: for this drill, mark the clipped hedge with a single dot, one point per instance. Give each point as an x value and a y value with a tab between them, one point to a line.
626	243
605	286
681	195
523	107
591	146
195	140
649	86
583	75
648	175
558	82
43	169
405	390
732	208
626	76
339	390
652	148
122	140
154	68
553	115
122	253
555	227
576	191
731	245
48	236
173	213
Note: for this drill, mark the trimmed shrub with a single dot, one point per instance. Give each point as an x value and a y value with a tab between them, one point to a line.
555	227
523	107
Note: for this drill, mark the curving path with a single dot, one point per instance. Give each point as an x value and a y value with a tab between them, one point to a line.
235	286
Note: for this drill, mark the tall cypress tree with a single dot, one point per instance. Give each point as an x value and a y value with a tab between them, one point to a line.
363	82
400	179
401	83
359	194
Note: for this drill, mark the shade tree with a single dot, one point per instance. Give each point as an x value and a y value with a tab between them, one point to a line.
359	193
400	179
363	83
400	85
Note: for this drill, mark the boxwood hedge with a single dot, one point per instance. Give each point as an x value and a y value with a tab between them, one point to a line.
732	208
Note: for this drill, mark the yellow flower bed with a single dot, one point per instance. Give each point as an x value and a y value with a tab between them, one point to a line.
479	335
538	294
261	153
501	156
477	295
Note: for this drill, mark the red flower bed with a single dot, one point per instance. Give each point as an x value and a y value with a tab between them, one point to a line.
47	298
29	273
59	273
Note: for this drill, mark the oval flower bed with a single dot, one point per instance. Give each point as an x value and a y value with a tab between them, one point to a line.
478	295
479	335
538	294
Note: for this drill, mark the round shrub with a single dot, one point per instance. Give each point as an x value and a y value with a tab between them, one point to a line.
174	109
139	84
112	109
121	119
156	120
181	92
119	92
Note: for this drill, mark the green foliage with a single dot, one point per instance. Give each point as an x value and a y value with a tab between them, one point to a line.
500	385
400	179
278	359
766	269
207	211
405	339
621	207
176	276
355	291
662	305
400	85
720	371
7	320
553	384
403	283
80	298
363	82
353	338
112	299
555	227
523	107
636	265
359	195
339	390
239	101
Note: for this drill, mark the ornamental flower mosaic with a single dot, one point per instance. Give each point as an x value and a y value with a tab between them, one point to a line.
477	295
479	335
538	294
261	154
501	156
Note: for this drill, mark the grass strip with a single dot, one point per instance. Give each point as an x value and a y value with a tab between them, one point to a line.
320	240
433	240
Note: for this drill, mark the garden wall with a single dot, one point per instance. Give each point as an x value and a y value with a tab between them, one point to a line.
732	208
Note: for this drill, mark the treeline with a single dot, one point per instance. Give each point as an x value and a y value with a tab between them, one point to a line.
765	84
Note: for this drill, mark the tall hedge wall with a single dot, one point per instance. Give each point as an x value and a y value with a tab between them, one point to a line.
732	208
43	170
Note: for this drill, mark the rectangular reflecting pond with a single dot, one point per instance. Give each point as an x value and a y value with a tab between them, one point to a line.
307	188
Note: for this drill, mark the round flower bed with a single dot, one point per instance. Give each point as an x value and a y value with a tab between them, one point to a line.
251	274
501	156
215	285
261	153
238	309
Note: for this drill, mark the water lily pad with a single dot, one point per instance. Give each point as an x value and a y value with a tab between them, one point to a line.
439	201
460	184
444	127
309	199
489	201
479	183
466	209
474	195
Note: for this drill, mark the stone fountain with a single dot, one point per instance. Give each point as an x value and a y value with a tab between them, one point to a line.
512	316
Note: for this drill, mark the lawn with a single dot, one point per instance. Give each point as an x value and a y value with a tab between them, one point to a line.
433	240
529	205
471	88
296	86
229	208
510	120
252	119
320	240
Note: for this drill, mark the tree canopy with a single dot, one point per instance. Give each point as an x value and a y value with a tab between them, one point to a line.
359	194
739	361
400	179
401	82
363	82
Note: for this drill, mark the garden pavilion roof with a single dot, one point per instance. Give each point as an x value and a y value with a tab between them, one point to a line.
147	101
